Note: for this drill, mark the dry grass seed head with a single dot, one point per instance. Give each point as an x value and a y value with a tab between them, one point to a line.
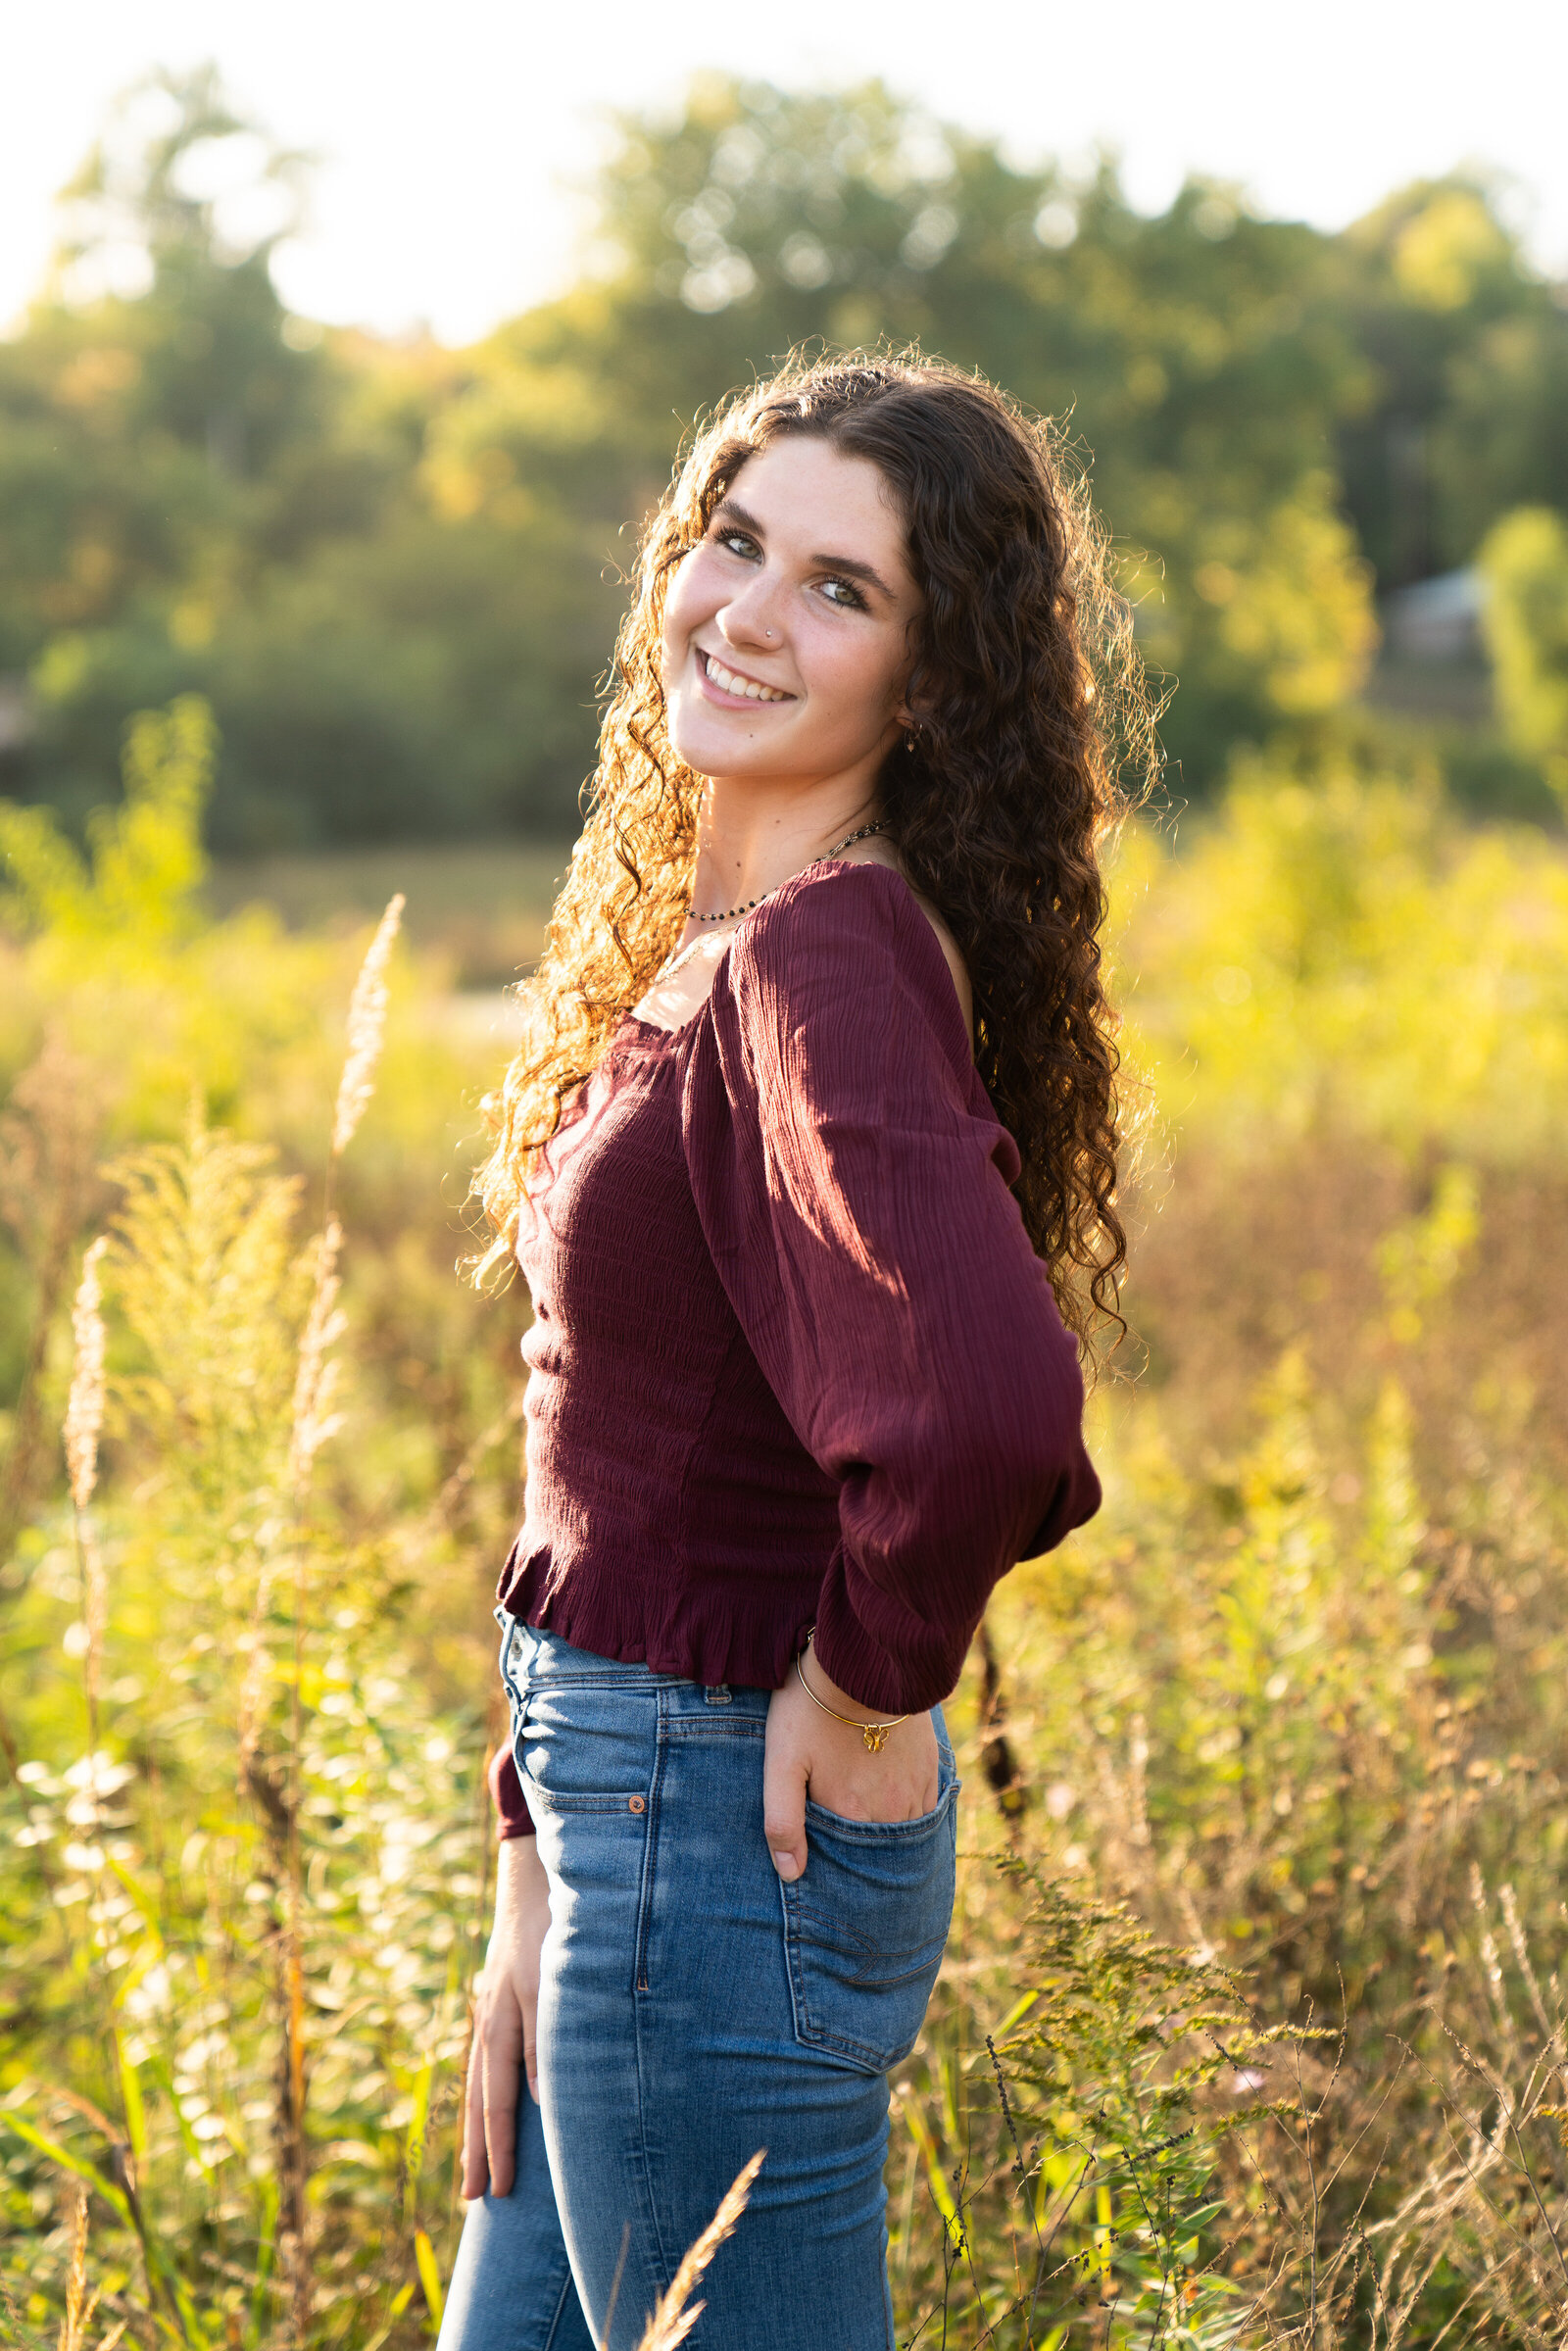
79	2304
671	2322
367	1029
84	1408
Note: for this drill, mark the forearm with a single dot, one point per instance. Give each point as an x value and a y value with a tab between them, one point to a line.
504	2020
523	1898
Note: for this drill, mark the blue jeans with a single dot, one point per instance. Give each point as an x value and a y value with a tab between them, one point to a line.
692	2009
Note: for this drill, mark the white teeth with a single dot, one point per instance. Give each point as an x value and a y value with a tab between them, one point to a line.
728	683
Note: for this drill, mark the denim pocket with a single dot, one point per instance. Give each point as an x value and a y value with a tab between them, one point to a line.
866	1927
587	1746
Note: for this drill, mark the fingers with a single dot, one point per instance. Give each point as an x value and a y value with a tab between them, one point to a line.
505	2037
784	1811
475	2169
530	2041
500	2042
505	2025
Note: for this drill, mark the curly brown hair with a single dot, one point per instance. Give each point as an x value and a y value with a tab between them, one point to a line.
1033	708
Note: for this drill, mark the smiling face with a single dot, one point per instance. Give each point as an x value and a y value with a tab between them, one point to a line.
787	626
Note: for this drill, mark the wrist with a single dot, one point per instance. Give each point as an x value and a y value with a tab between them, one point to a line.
521	1884
822	1685
872	1729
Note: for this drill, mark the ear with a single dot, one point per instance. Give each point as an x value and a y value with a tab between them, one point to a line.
916	704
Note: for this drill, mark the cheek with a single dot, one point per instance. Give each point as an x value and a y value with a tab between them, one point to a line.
686	606
856	680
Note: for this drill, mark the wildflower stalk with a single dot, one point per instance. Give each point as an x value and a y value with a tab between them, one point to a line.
79	2304
312	1423
81	1429
84	1425
314	1380
367	1028
48	1169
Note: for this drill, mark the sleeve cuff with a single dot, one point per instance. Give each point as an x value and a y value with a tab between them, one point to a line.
506	1794
915	1669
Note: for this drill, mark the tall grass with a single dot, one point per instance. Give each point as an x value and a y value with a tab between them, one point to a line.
1250	2027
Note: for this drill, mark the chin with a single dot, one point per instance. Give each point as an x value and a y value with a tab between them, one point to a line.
693	746
710	750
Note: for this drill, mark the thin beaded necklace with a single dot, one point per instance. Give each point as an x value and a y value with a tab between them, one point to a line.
731	912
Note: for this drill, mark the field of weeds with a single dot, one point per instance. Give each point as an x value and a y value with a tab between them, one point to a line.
1250	2028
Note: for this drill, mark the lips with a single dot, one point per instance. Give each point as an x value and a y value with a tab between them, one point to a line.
734	682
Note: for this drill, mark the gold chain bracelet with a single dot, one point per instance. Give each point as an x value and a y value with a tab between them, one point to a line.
873	1734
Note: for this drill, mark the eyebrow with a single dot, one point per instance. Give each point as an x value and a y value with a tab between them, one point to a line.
730	511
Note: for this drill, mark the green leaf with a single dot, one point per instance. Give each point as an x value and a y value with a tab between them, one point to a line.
429	2277
76	2165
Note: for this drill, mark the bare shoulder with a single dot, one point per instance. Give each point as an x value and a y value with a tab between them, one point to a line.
878	853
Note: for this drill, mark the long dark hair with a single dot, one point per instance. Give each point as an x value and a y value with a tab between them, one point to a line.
1032	712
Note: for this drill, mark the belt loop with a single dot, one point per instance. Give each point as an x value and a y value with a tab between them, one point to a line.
718	1694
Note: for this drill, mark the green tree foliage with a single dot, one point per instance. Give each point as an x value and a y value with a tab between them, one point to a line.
1525	563
394	571
165	449
152	441
1468	352
147	860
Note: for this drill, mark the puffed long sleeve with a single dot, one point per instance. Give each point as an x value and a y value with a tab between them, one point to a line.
513	1817
854	1186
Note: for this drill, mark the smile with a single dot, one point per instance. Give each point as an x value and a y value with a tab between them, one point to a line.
730	681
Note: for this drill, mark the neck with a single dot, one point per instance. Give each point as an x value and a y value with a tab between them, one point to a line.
751	837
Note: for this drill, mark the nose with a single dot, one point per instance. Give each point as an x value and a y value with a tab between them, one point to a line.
754	617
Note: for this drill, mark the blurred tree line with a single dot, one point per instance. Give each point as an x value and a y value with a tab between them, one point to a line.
394	569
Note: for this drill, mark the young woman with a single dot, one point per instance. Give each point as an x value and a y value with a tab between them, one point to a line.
808	1160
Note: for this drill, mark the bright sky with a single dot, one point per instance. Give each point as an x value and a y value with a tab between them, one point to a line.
451	134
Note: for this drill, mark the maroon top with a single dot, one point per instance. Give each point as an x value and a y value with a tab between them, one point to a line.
793	1358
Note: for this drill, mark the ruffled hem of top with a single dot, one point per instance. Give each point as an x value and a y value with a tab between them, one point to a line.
690	1632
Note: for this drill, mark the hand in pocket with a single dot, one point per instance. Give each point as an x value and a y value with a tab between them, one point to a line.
808	1752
